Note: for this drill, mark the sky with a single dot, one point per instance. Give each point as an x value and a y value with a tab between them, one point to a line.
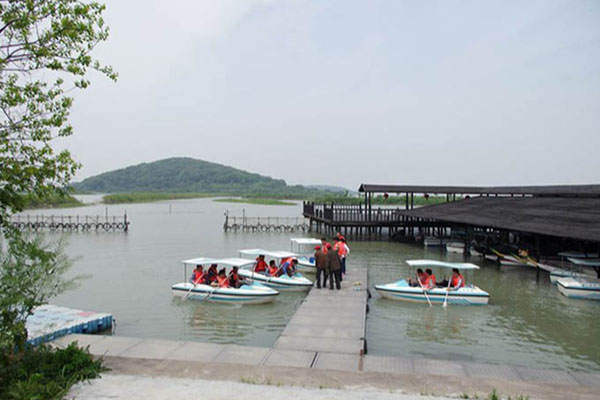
349	92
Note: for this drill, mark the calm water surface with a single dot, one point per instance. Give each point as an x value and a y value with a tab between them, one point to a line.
528	322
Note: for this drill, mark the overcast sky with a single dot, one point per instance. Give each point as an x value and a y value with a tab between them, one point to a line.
345	92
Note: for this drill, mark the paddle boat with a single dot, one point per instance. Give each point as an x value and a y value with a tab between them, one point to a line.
402	291
459	248
306	262
294	283
250	293
581	287
432	241
577	259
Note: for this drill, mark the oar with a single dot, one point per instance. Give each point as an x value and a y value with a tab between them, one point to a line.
189	291
424	292
447	291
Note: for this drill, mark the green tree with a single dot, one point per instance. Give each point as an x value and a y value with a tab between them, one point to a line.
45	52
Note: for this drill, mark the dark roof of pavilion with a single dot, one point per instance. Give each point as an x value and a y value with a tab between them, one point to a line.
552	190
569	217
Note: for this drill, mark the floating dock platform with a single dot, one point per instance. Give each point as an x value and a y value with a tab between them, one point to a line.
50	322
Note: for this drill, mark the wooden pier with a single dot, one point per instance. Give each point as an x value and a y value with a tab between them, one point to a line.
77	223
265	224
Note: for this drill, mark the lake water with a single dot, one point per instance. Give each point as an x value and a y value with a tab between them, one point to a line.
528	322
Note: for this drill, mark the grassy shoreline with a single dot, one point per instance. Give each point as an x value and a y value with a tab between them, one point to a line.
260	201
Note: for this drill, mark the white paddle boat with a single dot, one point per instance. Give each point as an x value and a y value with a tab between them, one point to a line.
294	283
306	262
252	292
402	291
581	287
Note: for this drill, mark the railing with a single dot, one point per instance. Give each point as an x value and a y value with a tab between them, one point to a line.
265	224
70	223
333	213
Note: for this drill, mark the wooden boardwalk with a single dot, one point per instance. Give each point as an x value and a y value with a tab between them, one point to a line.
330	323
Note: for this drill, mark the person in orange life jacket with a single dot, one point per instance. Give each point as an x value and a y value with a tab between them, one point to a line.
197	276
221	281
430	280
345	251
261	264
288	266
338	247
324	245
421	276
234	279
457	281
211	274
273	270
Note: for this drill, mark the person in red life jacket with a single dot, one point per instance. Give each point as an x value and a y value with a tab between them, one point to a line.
261	264
429	280
457	281
421	276
197	275
288	266
222	281
211	274
273	269
324	245
235	281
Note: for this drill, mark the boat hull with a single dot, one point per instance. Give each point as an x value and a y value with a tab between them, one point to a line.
247	294
401	291
283	283
558	274
306	266
578	288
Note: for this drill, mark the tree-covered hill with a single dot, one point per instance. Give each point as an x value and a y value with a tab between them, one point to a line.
187	175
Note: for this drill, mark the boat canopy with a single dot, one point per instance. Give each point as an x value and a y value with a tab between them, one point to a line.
306	241
268	253
232	262
577	254
441	264
585	262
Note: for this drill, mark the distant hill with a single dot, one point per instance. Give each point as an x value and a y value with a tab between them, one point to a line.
187	175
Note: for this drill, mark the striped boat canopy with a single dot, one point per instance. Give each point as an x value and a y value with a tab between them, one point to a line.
441	264
232	262
585	262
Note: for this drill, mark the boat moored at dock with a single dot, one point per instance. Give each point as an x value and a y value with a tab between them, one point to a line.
579	288
401	290
306	262
250	293
295	283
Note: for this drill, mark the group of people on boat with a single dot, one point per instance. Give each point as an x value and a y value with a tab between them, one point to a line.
427	280
330	261
286	267
215	278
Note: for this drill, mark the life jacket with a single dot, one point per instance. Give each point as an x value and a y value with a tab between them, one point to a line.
223	282
457	282
198	277
339	247
260	266
273	270
423	279
287	266
430	281
324	248
234	279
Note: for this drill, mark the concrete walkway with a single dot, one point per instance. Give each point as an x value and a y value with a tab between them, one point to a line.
151	357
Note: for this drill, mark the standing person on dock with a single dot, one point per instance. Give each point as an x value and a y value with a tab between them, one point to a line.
324	245
345	251
321	264
333	267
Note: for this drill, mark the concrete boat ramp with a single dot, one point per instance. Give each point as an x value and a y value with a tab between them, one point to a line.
323	347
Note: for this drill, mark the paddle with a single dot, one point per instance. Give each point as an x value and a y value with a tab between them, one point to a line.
424	291
447	291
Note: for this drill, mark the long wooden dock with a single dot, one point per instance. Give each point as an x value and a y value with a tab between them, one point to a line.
329	324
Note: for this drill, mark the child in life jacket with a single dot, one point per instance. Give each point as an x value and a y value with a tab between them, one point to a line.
273	270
